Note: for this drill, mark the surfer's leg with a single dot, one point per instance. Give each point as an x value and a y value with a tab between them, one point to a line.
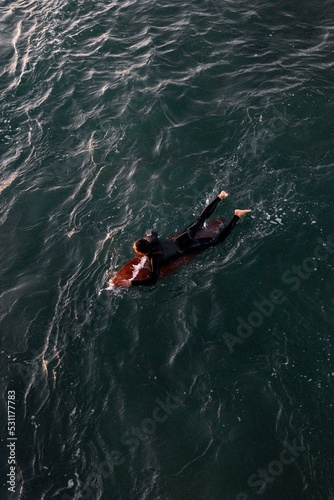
225	231
187	243
205	214
187	239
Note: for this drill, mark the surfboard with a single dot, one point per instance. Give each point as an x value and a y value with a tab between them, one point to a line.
139	267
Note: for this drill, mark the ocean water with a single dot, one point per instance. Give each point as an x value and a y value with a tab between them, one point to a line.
124	116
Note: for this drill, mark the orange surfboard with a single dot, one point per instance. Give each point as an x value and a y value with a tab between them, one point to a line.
139	267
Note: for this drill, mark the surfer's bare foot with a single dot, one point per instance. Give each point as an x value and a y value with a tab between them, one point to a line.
223	195
241	213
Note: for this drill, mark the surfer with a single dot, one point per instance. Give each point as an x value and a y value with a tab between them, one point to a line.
159	250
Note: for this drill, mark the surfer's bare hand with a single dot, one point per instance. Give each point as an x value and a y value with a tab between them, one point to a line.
126	284
223	195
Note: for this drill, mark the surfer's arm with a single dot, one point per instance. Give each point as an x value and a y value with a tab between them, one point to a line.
155	266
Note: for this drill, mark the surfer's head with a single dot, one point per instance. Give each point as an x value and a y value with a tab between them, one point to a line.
142	247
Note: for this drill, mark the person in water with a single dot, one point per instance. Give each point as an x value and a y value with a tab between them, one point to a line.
159	250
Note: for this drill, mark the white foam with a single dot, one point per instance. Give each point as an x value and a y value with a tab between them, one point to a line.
138	267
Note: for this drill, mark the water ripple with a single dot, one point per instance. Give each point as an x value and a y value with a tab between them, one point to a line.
121	117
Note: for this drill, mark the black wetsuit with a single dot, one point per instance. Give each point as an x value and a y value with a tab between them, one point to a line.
164	250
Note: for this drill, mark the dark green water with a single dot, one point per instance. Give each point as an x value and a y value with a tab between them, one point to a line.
119	117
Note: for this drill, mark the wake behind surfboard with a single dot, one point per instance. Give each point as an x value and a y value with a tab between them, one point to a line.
139	267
